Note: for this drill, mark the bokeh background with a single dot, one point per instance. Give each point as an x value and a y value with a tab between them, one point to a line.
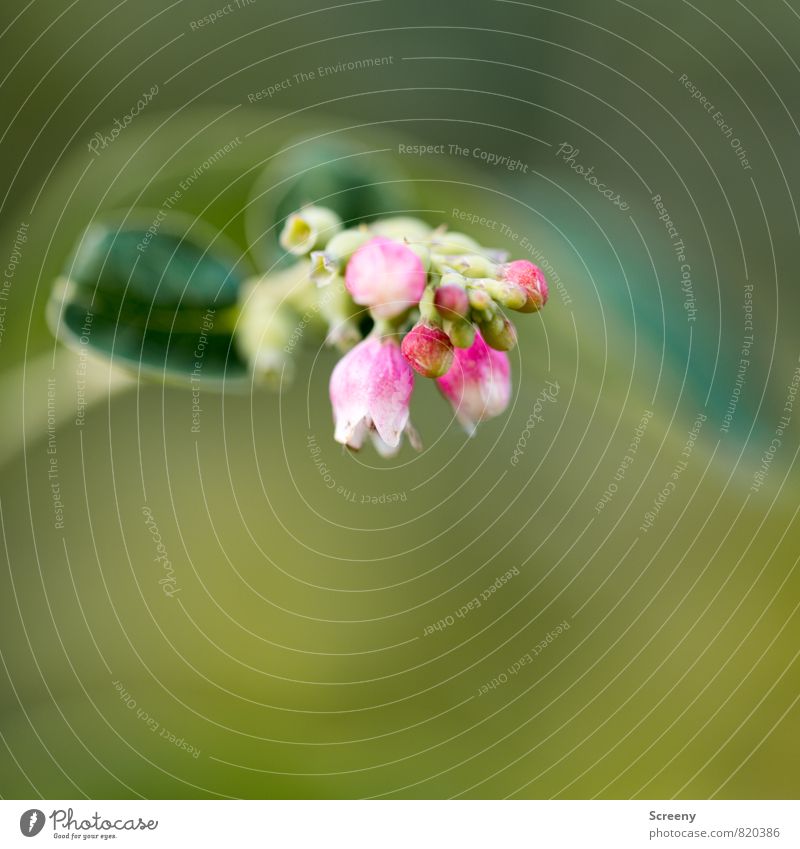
298	659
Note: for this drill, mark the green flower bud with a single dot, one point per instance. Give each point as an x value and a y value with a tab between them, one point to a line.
480	300
474	265
454	243
330	263
510	295
453	278
309	228
499	333
344	244
402	227
461	333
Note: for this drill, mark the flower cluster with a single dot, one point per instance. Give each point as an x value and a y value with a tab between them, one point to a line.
435	303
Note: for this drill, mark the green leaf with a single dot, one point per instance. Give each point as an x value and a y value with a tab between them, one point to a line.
163	269
155	301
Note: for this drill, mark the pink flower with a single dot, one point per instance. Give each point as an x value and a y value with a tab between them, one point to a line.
478	385
386	276
370	391
530	278
428	350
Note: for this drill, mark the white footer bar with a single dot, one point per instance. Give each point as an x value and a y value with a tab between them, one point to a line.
390	824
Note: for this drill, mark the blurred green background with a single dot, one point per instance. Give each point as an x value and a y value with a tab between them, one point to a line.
295	661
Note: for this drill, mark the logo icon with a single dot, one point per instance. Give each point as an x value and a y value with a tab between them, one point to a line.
31	822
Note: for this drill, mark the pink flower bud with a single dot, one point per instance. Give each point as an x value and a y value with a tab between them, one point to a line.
386	276
531	279
451	302
478	385
428	349
370	392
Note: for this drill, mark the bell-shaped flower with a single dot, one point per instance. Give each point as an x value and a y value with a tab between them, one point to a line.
370	392
478	384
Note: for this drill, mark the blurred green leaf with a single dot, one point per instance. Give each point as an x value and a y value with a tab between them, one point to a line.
156	301
162	269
